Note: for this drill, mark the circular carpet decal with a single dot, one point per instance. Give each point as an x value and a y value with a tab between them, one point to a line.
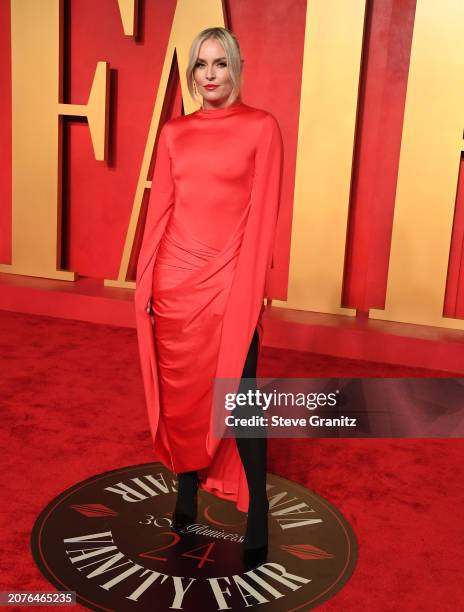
109	539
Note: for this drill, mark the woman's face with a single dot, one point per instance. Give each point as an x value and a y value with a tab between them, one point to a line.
212	76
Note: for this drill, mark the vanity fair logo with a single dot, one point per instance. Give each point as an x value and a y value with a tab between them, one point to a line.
109	539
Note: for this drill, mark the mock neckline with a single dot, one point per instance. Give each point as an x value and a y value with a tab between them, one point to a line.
211	113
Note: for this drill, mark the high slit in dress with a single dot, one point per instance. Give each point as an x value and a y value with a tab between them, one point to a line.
204	266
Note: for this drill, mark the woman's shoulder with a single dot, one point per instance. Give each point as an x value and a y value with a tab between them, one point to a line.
170	126
171	123
265	121
263	116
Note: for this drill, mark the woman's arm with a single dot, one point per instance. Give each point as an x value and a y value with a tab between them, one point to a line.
266	189
160	204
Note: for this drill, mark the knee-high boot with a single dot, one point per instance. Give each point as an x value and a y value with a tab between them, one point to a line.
253	454
185	511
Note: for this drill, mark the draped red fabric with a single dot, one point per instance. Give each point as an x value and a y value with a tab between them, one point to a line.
204	265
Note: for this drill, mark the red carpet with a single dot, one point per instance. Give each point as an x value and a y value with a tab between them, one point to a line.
72	406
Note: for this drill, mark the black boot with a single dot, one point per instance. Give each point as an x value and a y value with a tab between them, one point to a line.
253	455
185	512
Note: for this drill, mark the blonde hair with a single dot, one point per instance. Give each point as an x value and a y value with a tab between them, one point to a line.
232	52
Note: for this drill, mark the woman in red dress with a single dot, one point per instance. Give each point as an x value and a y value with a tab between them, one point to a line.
202	274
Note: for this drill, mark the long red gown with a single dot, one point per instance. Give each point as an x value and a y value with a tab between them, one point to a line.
204	263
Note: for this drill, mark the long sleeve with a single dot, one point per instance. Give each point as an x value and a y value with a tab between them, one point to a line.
160	205
266	190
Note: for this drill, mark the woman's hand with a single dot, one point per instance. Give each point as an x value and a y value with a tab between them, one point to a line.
149	309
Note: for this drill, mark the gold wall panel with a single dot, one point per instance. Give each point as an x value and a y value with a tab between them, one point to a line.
329	96
428	171
36	65
128	10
